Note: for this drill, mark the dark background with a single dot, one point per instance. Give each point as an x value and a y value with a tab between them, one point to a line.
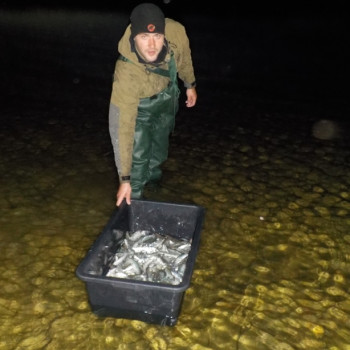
229	9
286	53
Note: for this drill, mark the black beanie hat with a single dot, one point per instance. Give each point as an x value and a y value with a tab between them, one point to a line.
147	18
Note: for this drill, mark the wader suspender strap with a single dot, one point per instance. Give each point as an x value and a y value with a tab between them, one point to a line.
171	73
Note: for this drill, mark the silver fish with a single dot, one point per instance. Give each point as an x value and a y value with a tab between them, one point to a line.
150	257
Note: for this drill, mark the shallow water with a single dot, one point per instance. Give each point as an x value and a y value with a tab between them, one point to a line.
272	271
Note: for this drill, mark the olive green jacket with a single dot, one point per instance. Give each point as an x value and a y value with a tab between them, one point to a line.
132	82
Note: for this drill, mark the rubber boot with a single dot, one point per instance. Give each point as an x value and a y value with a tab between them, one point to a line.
141	155
151	142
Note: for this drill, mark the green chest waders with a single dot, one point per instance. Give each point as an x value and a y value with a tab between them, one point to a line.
154	123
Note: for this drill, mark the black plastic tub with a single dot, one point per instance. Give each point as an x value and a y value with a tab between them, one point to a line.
132	299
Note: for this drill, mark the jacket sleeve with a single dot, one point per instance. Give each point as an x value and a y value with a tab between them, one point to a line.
122	118
180	44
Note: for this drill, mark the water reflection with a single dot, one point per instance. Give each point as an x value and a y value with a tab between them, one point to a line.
273	267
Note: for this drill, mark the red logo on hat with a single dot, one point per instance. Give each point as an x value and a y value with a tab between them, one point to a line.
151	28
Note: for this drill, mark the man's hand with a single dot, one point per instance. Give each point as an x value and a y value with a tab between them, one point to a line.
124	191
191	97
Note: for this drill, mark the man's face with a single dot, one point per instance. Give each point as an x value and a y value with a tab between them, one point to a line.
149	45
